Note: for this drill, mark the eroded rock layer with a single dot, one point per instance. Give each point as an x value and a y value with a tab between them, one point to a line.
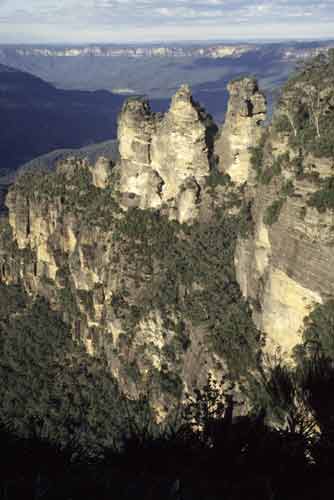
165	159
134	286
147	260
242	129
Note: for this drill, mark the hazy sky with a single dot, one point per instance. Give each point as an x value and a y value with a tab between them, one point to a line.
157	20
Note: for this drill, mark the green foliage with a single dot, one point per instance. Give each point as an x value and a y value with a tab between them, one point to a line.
264	173
205	409
272	212
50	387
273	171
281	124
323	199
318	336
306	110
171	383
12	300
273	389
74	190
298	166
287	188
257	156
317	383
314	359
216	178
193	267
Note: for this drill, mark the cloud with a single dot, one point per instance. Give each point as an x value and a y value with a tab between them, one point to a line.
134	16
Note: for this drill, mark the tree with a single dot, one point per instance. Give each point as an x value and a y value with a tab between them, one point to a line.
51	388
289	108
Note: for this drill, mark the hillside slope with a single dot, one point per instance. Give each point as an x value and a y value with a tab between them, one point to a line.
36	118
193	251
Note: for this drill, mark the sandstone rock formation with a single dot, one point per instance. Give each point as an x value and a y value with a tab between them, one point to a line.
101	172
242	129
286	268
162	155
71	238
67	241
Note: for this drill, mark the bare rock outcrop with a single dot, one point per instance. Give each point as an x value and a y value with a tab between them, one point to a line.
241	130
160	153
138	181
74	242
101	172
287	267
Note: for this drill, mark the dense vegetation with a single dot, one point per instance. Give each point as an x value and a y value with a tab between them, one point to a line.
64	423
306	110
266	171
50	388
196	273
223	458
268	168
193	280
323	198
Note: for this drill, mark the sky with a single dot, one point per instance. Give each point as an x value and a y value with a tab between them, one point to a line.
103	21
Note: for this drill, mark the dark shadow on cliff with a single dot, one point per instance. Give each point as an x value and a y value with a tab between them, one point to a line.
230	458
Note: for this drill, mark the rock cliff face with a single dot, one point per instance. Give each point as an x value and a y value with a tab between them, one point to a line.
139	256
286	268
242	129
165	159
121	277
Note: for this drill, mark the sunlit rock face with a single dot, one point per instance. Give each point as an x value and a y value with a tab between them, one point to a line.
242	129
64	244
180	147
101	172
160	155
60	243
286	268
136	126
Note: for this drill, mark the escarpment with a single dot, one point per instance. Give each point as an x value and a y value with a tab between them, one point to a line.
287	267
171	262
137	257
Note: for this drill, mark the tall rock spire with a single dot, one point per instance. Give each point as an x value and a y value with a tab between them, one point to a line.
161	154
242	128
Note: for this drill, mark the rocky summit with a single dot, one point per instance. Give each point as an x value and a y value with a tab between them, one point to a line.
165	159
173	262
241	130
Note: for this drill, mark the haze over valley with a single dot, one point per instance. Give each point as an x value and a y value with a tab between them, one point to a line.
78	90
158	70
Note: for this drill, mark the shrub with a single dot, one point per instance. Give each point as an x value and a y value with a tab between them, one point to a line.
272	212
216	178
288	188
323	199
257	156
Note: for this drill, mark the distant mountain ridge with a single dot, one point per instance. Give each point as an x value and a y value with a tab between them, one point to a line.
36	118
215	51
158	70
288	50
